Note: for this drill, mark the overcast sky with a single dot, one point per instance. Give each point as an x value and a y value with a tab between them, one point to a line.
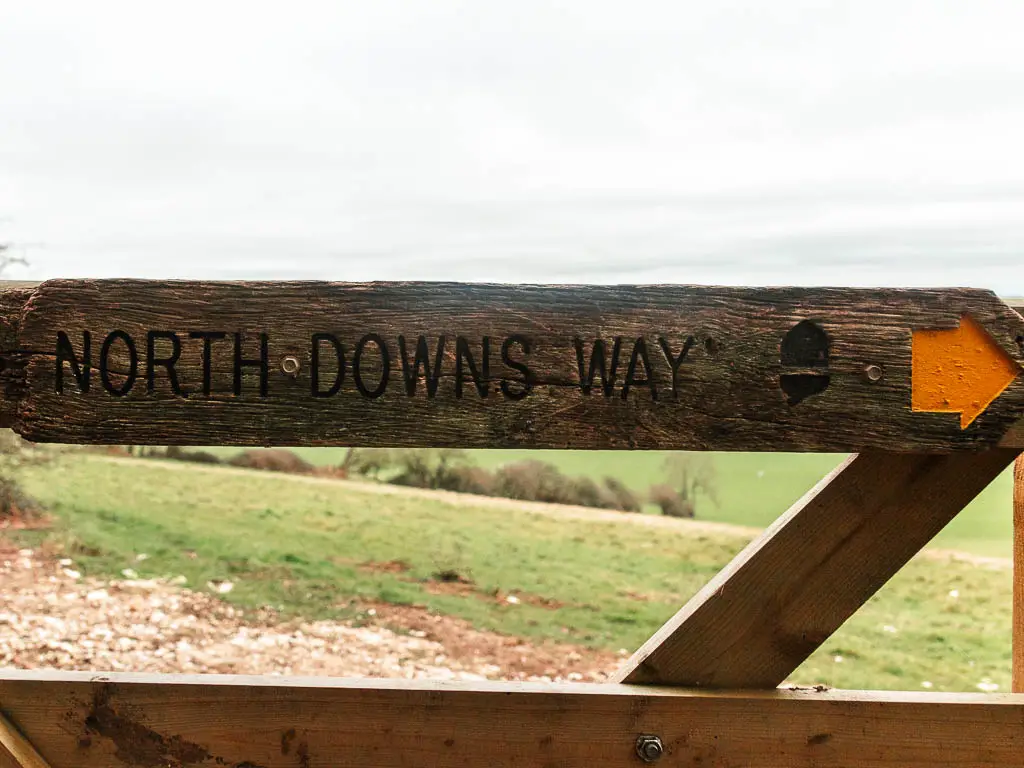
851	143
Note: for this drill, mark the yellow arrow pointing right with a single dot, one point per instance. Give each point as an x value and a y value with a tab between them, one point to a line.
961	370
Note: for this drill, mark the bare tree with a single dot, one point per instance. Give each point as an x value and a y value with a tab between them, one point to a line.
692	474
688	476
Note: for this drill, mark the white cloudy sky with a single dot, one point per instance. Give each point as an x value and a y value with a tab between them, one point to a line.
868	142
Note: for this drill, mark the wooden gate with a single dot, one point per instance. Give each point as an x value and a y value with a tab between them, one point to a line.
922	387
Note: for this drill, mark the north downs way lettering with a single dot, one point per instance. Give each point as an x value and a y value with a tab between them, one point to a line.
366	365
438	364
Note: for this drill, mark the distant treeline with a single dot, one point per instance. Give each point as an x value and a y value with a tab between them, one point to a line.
687	476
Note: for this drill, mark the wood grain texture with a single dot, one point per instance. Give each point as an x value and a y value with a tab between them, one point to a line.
760	617
15	749
728	392
150	722
1018	576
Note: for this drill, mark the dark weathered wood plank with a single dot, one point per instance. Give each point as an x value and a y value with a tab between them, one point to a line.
146	722
756	374
760	617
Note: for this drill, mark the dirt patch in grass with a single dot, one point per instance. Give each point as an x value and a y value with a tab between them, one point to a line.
465	588
638	596
32	522
451	582
460	588
503	656
538	601
389	566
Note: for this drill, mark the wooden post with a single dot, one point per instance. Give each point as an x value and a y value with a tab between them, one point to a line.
1018	576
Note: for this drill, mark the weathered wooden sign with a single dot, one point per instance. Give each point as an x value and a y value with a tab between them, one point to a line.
438	364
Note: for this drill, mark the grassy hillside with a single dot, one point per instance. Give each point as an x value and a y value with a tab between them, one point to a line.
323	548
754	488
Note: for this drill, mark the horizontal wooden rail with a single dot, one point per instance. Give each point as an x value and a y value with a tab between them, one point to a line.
82	721
443	364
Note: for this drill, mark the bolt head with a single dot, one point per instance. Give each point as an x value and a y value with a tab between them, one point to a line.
873	372
649	748
290	365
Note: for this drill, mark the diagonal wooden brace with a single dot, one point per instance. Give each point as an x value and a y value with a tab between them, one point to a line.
793	586
15	747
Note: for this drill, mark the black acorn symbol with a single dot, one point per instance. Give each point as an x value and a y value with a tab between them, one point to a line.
804	348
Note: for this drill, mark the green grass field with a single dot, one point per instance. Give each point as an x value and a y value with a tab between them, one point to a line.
754	488
304	547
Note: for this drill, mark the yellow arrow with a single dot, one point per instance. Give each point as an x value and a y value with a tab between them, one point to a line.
961	370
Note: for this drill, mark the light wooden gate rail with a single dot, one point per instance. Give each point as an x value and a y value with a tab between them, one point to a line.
922	387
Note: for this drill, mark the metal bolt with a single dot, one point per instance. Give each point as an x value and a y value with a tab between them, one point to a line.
290	365
649	748
873	372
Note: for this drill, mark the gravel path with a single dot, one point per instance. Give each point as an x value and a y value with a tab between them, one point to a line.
53	617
